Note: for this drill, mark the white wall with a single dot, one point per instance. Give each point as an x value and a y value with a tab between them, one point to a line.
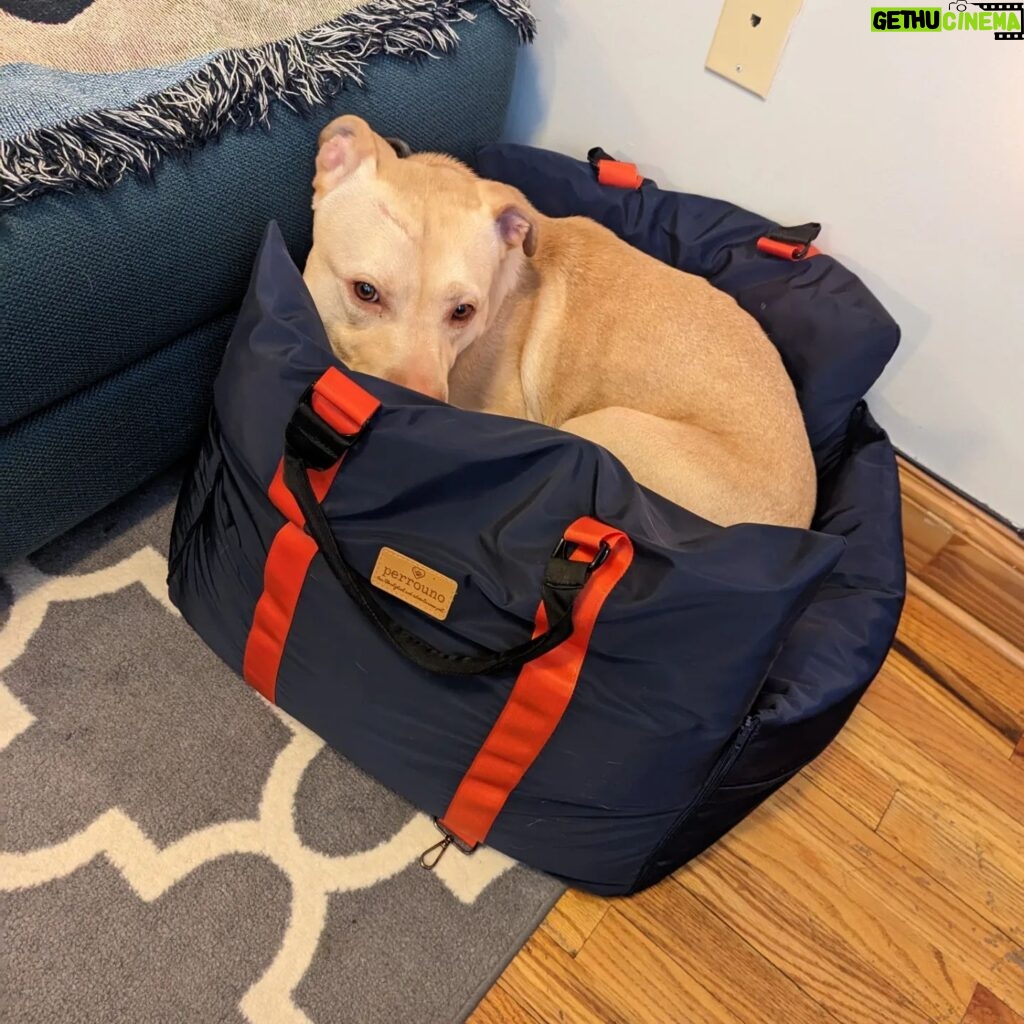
908	148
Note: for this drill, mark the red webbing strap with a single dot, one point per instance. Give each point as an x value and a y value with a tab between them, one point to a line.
288	562
540	695
346	407
786	250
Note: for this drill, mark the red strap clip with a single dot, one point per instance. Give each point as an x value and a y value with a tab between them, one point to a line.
616	173
791	243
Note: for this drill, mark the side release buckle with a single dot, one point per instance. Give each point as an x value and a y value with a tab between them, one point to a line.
614	172
312	439
791	243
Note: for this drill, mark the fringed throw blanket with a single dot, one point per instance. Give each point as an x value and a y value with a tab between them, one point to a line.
91	90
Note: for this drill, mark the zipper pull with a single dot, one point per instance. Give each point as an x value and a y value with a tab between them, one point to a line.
428	862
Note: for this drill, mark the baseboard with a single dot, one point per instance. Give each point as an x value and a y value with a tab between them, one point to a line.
964	556
979	506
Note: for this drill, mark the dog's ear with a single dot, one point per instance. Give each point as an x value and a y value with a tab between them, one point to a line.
346	144
517	227
402	148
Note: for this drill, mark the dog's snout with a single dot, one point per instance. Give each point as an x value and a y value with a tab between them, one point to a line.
425	383
423	369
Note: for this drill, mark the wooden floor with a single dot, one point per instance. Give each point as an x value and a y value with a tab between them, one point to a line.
884	884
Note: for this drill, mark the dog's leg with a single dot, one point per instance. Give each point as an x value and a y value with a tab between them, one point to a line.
692	467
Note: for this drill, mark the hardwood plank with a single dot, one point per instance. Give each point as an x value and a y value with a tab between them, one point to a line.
499	1007
947	731
641	982
985	1008
891	969
715	956
780	894
907	687
573	919
853	782
544	980
980	860
978	667
872	737
980	568
990	590
880	877
954	614
948	829
924	535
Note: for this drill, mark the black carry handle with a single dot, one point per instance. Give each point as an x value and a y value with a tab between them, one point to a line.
311	443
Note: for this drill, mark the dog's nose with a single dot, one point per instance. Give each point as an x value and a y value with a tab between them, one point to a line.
429	386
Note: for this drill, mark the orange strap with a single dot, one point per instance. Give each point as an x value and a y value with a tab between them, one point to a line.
341	403
540	695
288	562
346	407
619	174
786	250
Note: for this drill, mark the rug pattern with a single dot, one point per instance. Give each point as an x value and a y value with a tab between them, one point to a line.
173	848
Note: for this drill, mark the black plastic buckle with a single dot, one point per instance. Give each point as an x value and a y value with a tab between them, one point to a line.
312	440
562	552
439	849
802	235
596	155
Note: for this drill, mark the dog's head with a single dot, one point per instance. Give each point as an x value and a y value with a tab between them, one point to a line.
412	256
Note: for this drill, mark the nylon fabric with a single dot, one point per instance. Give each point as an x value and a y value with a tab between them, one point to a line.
723	660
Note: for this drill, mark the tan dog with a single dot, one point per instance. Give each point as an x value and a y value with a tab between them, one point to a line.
432	277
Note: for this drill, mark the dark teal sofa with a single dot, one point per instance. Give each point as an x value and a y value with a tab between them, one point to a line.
115	306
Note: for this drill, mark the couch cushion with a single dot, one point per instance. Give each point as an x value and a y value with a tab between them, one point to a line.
85	451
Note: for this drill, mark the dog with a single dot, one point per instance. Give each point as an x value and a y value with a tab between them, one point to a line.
455	286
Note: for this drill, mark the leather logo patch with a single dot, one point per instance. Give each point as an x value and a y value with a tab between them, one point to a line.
415	584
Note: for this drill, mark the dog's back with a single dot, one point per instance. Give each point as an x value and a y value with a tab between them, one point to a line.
659	367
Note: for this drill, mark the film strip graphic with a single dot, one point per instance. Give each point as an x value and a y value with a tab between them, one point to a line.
1018	7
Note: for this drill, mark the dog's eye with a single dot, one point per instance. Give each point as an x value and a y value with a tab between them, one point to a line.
463	311
365	292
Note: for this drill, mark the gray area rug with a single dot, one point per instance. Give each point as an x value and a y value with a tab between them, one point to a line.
174	849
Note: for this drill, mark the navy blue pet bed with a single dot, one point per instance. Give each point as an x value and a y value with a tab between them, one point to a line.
494	619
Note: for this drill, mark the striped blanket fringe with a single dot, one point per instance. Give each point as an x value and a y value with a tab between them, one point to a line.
236	87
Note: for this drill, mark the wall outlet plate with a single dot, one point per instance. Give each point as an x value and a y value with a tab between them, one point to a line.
749	41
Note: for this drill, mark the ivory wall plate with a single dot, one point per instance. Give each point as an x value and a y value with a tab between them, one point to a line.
749	41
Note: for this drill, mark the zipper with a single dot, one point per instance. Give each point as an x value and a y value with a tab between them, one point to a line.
746	731
725	763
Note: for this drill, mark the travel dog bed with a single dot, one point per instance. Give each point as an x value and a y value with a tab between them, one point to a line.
492	618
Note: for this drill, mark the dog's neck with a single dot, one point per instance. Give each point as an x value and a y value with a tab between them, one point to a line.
503	371
486	377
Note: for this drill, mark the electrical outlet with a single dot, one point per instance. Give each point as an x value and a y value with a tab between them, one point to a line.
749	41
